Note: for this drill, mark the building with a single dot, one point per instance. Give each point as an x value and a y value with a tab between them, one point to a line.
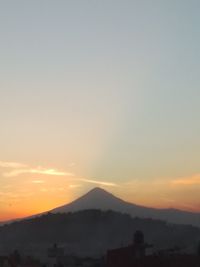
134	255
128	256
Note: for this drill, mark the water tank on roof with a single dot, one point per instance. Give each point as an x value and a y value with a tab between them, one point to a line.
138	238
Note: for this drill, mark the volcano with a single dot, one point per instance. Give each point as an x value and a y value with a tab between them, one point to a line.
100	199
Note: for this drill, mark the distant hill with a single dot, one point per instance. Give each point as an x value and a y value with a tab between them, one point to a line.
103	200
92	232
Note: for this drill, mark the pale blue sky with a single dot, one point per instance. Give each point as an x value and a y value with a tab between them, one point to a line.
110	86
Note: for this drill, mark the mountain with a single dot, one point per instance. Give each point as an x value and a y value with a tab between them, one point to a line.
98	198
92	233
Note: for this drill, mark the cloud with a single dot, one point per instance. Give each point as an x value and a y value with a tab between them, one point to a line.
20	168
194	180
44	189
75	185
97	182
38	181
17	169
72	164
37	170
15	165
51	172
14	173
167	182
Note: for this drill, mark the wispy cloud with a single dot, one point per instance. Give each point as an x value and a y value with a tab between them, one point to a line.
6	164
97	182
72	164
37	170
44	189
38	182
75	186
193	180
51	172
17	169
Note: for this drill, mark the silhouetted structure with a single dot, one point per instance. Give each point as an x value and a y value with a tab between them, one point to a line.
16	260
4	261
198	249
128	256
55	251
134	256
55	254
139	246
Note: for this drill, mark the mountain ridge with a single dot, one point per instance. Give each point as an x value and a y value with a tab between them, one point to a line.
93	232
98	198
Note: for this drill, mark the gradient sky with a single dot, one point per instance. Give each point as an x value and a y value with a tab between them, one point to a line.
99	93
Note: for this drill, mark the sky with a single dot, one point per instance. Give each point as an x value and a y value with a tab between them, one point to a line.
99	93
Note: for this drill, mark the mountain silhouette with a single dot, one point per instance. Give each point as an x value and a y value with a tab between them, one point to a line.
92	233
99	198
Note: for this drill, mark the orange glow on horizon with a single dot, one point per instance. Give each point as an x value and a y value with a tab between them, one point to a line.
39	206
28	190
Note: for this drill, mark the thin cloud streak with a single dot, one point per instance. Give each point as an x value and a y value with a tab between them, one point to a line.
20	168
194	180
38	181
15	165
53	172
71	186
97	182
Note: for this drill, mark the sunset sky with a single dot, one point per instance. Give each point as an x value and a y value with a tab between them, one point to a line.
99	93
